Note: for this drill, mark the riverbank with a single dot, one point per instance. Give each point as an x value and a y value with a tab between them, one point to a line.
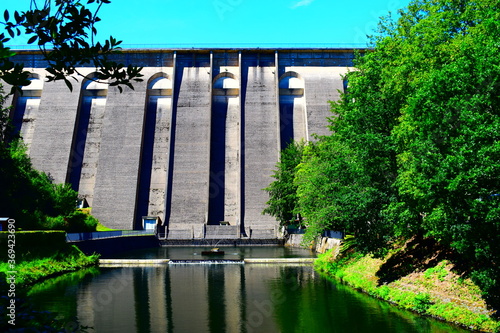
40	255
431	286
29	272
32	257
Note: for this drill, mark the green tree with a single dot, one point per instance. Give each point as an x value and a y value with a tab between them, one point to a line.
30	196
64	31
448	133
283	198
336	192
346	180
415	142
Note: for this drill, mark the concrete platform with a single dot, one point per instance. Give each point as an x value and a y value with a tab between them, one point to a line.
162	262
132	262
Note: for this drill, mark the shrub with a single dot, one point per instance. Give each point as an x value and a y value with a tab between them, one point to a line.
80	222
56	223
422	302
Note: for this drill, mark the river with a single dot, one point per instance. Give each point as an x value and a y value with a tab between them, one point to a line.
231	297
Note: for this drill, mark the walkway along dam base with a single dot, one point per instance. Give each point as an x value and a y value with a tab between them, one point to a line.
192	146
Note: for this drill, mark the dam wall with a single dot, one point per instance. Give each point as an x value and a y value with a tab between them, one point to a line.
193	144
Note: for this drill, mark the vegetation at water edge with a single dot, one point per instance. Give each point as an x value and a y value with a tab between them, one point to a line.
431	284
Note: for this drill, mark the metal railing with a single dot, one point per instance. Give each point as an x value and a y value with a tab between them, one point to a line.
83	236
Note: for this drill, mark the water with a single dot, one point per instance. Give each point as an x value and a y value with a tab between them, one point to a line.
221	298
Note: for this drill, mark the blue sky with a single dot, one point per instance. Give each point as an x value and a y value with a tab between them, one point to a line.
237	22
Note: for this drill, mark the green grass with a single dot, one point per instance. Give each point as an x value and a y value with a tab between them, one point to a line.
30	271
39	255
101	227
437	291
42	254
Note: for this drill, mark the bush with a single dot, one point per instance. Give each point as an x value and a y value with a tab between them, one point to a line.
422	302
77	221
33	200
56	223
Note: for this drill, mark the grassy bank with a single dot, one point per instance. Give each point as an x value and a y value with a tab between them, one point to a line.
41	254
34	257
430	286
30	271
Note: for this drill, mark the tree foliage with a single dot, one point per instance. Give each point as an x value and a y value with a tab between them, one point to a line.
64	32
415	143
336	193
283	192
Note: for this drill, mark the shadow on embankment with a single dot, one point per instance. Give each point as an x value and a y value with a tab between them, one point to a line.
420	254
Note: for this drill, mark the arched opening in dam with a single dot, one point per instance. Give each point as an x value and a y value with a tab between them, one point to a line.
293	117
155	149
224	151
26	105
85	148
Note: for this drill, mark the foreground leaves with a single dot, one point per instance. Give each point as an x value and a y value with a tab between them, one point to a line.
64	32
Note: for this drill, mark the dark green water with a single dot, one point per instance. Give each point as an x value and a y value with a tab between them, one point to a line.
221	298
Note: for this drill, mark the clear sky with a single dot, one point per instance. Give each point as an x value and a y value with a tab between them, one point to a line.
238	22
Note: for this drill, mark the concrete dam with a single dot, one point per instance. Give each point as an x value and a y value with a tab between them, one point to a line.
193	145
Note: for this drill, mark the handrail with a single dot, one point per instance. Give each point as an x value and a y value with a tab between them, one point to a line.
83	236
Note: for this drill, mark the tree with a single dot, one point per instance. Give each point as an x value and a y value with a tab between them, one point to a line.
415	144
448	134
29	195
283	198
345	182
64	31
337	191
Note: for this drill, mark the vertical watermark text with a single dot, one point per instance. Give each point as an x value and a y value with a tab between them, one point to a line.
11	274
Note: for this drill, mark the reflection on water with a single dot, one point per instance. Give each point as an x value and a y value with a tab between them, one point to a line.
223	298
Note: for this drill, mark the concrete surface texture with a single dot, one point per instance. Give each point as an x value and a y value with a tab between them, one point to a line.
195	143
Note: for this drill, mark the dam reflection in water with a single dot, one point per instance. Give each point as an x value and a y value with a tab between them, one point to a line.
223	298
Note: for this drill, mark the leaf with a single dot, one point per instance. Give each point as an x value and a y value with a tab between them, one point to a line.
6	15
68	84
32	39
18	17
5	53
